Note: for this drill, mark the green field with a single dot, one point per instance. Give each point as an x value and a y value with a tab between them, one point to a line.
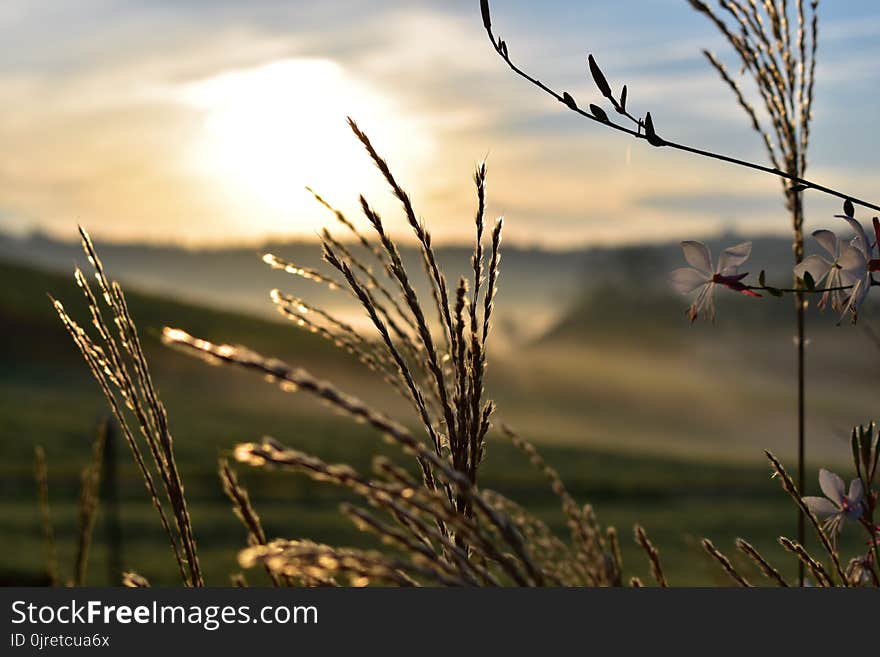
607	414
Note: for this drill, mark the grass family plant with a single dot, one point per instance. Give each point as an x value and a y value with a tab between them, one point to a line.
434	522
87	510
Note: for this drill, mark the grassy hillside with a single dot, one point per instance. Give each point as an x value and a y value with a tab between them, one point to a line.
719	391
47	397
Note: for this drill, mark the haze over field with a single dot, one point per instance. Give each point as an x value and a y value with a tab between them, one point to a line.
578	335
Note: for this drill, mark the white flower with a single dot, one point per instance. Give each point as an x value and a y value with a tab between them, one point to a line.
837	505
863	244
846	269
701	276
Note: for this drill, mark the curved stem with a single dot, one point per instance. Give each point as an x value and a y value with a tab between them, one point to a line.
805	290
802	290
801	422
874	550
500	47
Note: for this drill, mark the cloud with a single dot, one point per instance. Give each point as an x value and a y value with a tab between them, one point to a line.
721	203
95	128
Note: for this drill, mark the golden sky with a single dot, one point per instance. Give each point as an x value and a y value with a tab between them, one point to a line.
200	122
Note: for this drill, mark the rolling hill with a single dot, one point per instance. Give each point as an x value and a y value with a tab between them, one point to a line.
607	408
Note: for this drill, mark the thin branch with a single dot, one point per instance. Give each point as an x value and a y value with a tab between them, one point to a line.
500	47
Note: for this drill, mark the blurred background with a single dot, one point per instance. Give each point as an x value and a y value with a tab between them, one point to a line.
182	134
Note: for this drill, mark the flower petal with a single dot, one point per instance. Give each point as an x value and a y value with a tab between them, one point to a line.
698	256
861	241
832	486
853	261
821	506
732	257
816	265
848	279
687	280
856	491
828	241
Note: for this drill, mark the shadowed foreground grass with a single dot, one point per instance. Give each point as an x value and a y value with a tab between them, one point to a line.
47	397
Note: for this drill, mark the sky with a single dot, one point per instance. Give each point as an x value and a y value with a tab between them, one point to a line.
200	122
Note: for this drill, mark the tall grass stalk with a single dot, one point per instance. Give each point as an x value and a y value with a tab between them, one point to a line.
453	532
439	525
41	476
88	504
777	44
118	363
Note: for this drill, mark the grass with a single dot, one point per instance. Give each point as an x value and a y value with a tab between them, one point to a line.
443	528
678	500
444	525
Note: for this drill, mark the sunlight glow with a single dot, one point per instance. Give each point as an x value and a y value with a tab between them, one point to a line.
269	131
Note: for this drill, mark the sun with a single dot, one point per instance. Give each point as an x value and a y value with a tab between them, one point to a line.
267	132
